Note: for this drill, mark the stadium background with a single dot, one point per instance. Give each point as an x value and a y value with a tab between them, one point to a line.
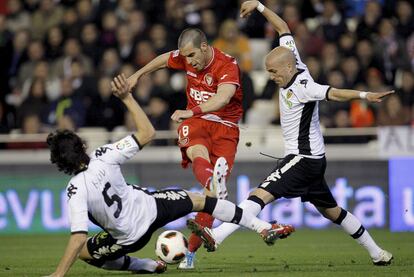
58	57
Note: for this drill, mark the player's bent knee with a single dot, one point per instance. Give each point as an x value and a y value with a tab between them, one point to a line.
196	151
84	253
330	213
198	201
263	195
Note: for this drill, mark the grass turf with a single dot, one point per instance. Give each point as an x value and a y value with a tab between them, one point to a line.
305	253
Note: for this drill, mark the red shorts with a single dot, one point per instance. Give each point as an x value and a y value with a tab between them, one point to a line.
220	140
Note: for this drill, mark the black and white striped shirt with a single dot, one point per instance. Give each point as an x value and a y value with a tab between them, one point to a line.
299	113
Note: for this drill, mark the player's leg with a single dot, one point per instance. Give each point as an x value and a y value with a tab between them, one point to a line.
321	197
277	184
357	231
194	141
228	212
222	142
102	251
203	171
255	203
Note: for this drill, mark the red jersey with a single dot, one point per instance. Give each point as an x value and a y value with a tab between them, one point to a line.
201	85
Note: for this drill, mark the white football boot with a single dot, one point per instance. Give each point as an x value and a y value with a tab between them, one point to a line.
384	258
218	182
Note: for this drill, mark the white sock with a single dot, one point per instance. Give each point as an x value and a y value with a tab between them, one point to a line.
226	229
134	265
142	264
228	212
353	227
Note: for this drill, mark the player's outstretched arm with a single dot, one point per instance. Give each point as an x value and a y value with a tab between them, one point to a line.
342	95
145	131
157	63
75	244
278	23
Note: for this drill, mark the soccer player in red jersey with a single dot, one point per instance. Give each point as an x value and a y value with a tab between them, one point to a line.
208	131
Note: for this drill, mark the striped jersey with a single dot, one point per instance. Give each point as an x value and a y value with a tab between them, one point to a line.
299	113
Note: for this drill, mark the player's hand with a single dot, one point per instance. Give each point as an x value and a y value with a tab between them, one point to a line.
247	8
132	81
377	97
120	86
179	115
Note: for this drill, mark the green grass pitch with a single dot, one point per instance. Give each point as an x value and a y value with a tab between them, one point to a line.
305	253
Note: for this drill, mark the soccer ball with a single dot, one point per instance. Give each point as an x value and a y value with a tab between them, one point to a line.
171	246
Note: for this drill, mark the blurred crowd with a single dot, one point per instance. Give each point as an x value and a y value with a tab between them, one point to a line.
57	58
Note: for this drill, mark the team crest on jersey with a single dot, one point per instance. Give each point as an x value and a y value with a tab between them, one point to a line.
208	79
120	145
286	98
183	142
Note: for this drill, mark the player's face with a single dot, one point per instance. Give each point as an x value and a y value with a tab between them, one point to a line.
196	57
277	72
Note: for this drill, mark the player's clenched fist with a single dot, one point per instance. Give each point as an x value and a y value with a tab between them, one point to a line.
120	86
248	7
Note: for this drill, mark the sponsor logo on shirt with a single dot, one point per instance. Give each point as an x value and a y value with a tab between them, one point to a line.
208	79
200	96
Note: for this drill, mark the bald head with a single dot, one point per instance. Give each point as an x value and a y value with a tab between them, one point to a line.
281	64
281	54
191	35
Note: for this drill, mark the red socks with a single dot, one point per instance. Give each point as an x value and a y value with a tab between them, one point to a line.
195	241
203	171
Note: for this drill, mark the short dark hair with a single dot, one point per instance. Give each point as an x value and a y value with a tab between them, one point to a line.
193	35
67	151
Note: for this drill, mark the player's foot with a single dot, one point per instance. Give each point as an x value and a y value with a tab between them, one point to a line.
218	181
204	233
278	231
384	258
188	262
161	268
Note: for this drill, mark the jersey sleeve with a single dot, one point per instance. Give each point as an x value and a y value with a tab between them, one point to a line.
287	40
311	91
176	61
78	207
118	152
229	74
